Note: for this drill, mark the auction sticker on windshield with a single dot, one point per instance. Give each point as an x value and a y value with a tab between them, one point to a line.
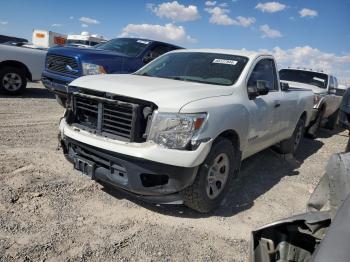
225	61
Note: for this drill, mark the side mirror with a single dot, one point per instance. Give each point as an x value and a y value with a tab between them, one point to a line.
263	88
284	86
148	57
259	89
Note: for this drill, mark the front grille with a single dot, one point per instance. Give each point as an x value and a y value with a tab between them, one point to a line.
62	64
117	120
106	117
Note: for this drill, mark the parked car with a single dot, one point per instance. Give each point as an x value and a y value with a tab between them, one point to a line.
17	66
117	56
322	234
326	99
178	129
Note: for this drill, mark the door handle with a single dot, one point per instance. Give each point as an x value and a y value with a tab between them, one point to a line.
277	105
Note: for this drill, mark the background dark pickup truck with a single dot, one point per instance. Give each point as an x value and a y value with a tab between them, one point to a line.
117	56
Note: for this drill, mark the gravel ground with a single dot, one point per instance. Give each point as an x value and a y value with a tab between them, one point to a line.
50	212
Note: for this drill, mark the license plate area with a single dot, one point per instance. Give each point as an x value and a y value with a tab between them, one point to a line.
84	165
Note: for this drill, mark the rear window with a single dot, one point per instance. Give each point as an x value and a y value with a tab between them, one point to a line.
306	77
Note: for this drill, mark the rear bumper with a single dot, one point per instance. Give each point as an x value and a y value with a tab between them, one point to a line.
149	180
57	84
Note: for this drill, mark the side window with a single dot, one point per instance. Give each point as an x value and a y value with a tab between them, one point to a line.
331	82
264	70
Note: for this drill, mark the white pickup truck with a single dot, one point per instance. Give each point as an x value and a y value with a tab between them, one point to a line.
17	66
178	129
327	96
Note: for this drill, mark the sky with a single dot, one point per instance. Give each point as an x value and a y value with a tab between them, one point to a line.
301	33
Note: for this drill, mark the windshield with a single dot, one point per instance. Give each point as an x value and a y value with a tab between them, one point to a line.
306	77
209	68
126	46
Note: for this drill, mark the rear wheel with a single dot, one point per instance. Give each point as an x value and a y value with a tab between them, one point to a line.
213	178
291	145
13	80
332	121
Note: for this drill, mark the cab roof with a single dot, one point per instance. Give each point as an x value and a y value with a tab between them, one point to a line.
242	52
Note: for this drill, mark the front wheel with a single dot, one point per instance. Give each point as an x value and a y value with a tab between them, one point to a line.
213	178
13	80
291	145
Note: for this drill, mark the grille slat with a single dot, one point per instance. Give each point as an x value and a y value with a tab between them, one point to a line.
104	117
109	126
87	104
109	121
61	64
117	117
118	112
115	132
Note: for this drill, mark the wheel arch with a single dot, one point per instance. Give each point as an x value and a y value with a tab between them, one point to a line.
17	64
234	138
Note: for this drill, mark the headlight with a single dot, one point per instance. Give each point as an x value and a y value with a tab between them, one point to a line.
92	69
175	130
317	99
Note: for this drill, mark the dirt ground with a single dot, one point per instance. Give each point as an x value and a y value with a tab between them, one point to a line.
49	212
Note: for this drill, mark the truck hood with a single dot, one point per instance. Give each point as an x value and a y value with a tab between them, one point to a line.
313	88
169	95
113	62
83	52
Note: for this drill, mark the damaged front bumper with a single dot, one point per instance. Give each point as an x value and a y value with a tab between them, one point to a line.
151	181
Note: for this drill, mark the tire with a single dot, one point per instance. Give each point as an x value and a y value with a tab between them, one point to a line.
332	120
13	80
206	193
291	145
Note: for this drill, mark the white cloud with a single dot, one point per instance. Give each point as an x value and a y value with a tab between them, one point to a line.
309	57
168	32
219	16
210	3
71	17
87	20
175	11
270	7
305	12
268	32
56	25
3	22
245	21
84	25
223	5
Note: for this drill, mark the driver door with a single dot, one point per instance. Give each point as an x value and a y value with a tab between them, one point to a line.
264	110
